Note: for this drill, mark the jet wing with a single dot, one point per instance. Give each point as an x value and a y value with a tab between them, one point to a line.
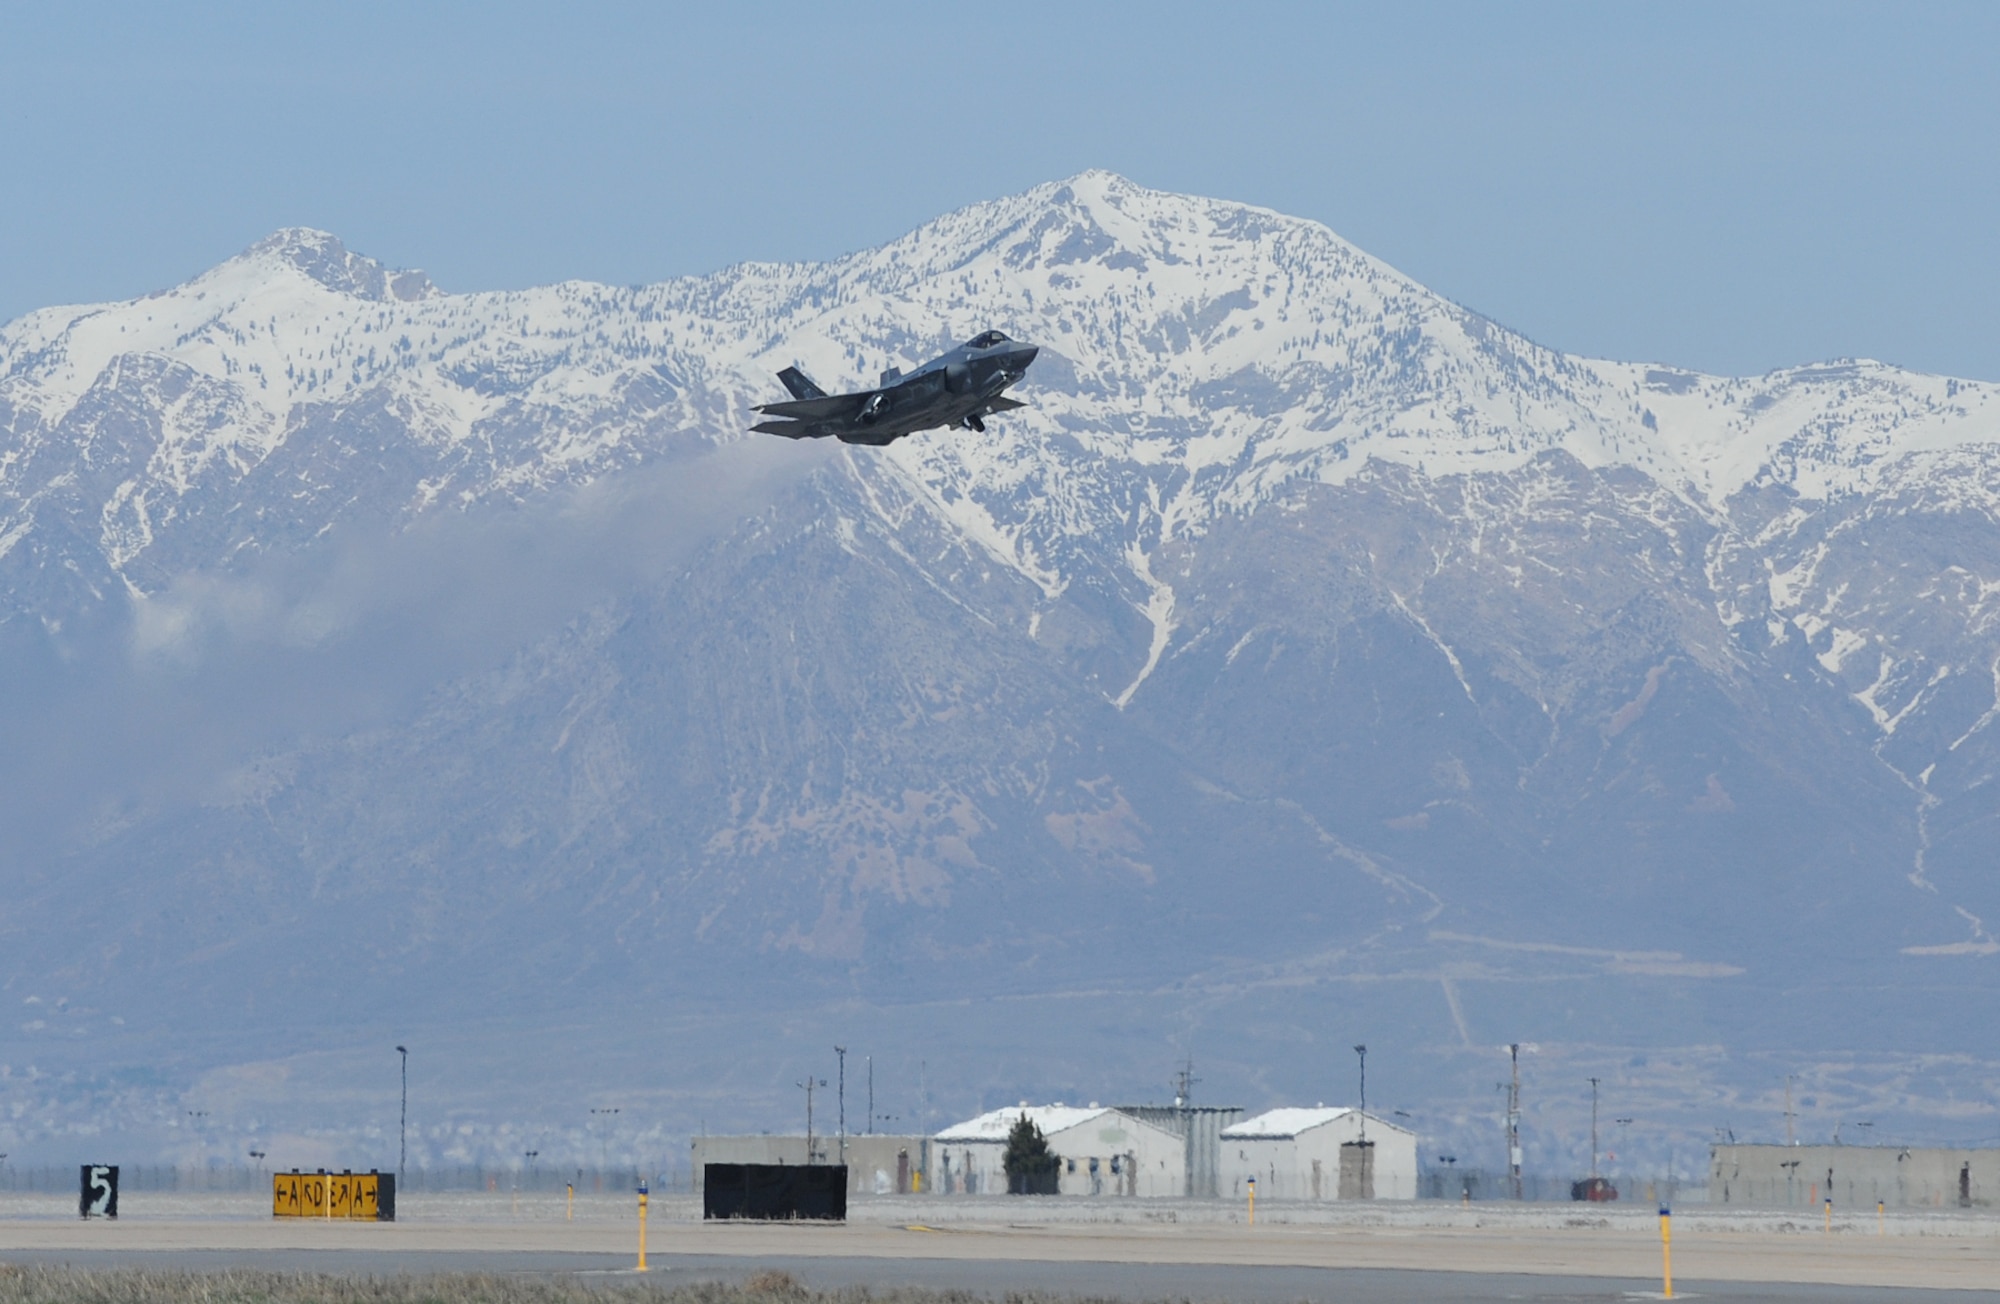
816	409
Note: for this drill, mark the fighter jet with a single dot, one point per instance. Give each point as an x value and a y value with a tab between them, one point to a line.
960	388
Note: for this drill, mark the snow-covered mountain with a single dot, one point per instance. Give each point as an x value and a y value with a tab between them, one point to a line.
1314	656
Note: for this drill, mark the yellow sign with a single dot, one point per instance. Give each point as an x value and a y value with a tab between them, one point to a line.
334	1195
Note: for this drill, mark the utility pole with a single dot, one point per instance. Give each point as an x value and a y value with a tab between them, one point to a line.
1593	1129
811	1156
1790	1138
1514	1119
871	1095
840	1052
403	1124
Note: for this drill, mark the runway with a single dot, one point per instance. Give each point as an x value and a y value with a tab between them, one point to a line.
1508	1255
998	1278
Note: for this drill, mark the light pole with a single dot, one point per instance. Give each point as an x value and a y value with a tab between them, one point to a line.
841	1053
871	1095
403	1119
604	1140
1593	1129
1362	1052
200	1141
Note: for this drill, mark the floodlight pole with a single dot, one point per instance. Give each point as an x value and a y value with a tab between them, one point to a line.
1362	1051
1514	1117
1593	1128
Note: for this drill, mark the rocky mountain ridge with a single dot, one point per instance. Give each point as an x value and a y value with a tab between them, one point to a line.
1308	635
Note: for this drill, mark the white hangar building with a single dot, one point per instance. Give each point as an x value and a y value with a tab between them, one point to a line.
1103	1152
1319	1154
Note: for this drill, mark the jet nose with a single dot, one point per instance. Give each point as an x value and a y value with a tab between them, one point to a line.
1018	360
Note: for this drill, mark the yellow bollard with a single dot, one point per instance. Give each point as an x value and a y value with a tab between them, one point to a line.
1829	1215
1879	1229
569	1201
1666	1252
1253	1202
642	1228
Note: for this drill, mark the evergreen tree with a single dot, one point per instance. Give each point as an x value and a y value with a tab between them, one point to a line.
1031	1166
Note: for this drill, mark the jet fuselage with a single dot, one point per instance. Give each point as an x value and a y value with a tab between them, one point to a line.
959	388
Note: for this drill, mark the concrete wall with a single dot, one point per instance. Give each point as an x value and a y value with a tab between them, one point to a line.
1111	1154
874	1163
1800	1177
1307	1166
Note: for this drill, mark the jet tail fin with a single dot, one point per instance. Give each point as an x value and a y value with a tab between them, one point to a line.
800	384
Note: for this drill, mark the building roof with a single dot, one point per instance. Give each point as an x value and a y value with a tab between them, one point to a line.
996	1124
1283	1124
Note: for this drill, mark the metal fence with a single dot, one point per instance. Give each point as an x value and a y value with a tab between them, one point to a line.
668	1179
1476	1184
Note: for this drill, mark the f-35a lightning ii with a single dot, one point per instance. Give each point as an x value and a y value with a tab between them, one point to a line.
957	389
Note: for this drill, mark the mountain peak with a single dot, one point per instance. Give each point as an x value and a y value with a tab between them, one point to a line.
322	257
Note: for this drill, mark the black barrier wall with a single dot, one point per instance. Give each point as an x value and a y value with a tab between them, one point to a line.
774	1191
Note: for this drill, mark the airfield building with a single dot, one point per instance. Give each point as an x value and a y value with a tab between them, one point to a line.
1103	1152
1901	1177
1323	1153
1200	1129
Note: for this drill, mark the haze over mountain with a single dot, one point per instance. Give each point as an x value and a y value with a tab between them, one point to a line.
1315	661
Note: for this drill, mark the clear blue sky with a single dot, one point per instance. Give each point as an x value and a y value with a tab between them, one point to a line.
1728	186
